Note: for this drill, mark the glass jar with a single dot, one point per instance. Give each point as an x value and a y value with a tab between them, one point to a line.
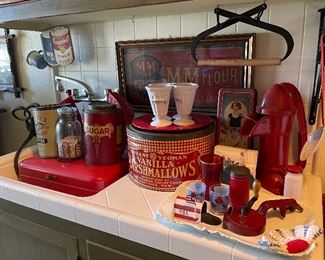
68	134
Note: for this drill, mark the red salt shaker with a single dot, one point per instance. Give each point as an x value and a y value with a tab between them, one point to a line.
238	187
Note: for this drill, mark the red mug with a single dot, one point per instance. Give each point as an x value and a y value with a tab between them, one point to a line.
211	169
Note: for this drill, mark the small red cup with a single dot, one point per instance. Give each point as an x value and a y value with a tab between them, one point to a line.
211	169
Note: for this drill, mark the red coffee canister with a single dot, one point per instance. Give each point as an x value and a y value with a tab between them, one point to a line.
103	133
238	187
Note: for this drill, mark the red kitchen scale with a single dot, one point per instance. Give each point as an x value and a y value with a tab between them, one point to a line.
75	178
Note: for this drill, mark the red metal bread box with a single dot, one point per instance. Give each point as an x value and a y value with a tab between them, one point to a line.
75	178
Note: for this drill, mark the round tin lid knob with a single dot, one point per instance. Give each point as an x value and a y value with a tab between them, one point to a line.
239	171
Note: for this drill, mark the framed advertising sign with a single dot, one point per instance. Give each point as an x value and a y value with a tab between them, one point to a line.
169	60
233	106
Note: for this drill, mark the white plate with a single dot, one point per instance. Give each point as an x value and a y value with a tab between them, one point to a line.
273	220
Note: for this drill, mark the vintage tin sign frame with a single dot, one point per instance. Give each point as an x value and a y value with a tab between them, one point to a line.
170	60
233	106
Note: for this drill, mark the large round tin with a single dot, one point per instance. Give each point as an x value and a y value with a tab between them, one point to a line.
45	118
162	161
103	133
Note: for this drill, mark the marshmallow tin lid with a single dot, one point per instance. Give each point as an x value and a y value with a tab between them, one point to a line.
99	107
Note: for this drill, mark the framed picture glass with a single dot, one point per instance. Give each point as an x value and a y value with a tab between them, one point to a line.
169	60
233	106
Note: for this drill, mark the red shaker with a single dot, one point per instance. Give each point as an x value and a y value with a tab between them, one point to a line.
103	133
238	187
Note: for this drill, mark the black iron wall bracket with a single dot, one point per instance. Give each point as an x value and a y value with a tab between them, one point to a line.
245	17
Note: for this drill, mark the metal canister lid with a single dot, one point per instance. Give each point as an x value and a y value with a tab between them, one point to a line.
66	110
239	171
101	107
48	107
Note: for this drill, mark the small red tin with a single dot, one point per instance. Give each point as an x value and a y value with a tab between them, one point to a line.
75	178
163	160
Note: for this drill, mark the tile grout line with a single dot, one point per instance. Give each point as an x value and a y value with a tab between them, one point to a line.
107	198
145	198
302	45
118	224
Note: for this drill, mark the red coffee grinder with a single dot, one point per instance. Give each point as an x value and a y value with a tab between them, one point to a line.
273	123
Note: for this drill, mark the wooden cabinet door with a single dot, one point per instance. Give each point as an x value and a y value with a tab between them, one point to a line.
97	251
24	240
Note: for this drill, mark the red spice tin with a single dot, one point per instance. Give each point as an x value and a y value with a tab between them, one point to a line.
163	160
103	134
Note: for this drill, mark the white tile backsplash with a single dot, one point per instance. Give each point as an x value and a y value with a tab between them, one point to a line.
124	30
194	23
105	34
106	59
107	80
168	26
91	78
146	28
88	59
290	16
87	35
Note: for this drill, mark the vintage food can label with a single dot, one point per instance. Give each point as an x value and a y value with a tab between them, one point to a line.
48	48
45	118
62	45
162	164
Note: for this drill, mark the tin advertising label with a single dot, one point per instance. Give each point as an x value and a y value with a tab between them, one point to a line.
162	171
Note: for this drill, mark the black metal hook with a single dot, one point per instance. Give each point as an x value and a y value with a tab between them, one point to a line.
244	18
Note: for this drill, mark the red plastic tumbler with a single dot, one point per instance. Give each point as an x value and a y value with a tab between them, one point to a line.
211	169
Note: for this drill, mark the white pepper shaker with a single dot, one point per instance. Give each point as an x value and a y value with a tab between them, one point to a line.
293	182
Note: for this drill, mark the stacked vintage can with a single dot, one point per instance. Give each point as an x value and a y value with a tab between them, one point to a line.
103	133
162	159
45	118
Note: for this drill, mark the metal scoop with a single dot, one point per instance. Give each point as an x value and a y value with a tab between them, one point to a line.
314	139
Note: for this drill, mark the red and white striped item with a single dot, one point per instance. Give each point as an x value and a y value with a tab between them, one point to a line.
188	208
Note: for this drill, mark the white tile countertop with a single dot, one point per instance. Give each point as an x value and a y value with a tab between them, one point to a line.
126	210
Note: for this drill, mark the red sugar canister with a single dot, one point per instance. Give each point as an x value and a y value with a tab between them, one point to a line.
103	133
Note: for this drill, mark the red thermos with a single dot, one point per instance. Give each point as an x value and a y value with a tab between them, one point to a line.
238	187
103	134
